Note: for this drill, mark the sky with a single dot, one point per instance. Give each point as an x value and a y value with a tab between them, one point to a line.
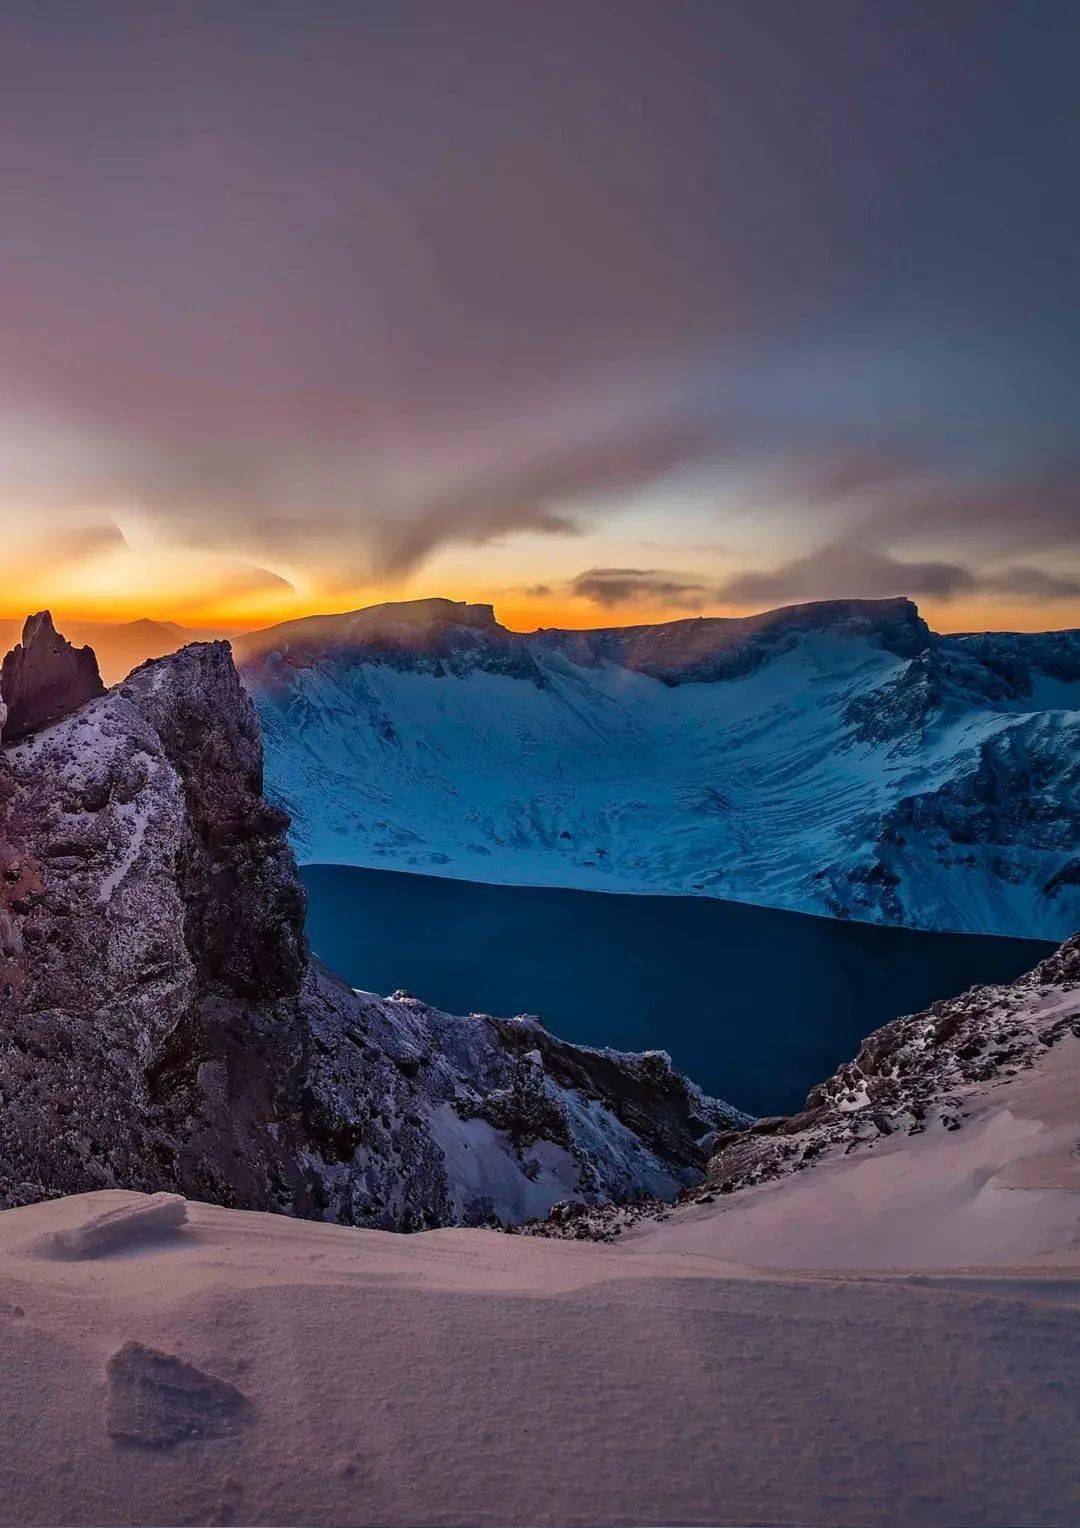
604	311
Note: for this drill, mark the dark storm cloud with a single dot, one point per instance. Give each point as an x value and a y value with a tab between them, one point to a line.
336	285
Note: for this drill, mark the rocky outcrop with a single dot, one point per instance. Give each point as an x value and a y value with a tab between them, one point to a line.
910	1075
1015	657
918	1073
156	1399
1003	825
44	678
443	637
163	1028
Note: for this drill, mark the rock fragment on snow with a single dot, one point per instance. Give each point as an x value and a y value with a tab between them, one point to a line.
157	1399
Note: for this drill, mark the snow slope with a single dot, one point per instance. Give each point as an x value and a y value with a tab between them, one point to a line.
887	1340
884	1332
839	759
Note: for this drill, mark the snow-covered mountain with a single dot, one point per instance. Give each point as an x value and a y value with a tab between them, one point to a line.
838	758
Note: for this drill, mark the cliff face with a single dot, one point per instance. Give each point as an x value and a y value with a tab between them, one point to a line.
452	637
437	637
162	1026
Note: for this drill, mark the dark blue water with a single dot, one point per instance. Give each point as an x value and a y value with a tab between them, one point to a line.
756	1005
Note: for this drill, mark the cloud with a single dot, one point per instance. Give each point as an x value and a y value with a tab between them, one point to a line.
85	541
63	545
642	586
239	578
397	547
1007	513
537	591
831	572
853	572
351	516
840	572
536	487
296	302
1034	583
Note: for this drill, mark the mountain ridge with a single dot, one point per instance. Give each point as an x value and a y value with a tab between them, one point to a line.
652	647
837	757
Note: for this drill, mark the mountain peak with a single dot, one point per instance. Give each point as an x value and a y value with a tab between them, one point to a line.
434	610
44	678
397	623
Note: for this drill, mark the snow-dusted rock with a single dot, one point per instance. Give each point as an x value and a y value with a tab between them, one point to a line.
912	1074
922	1073
162	1027
837	758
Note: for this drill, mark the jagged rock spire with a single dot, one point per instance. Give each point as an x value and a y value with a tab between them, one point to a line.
44	678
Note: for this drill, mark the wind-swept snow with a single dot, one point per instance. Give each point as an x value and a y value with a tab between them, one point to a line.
890	1340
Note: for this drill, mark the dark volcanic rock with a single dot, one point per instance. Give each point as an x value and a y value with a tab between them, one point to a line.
574	1220
44	678
163	1029
243	903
